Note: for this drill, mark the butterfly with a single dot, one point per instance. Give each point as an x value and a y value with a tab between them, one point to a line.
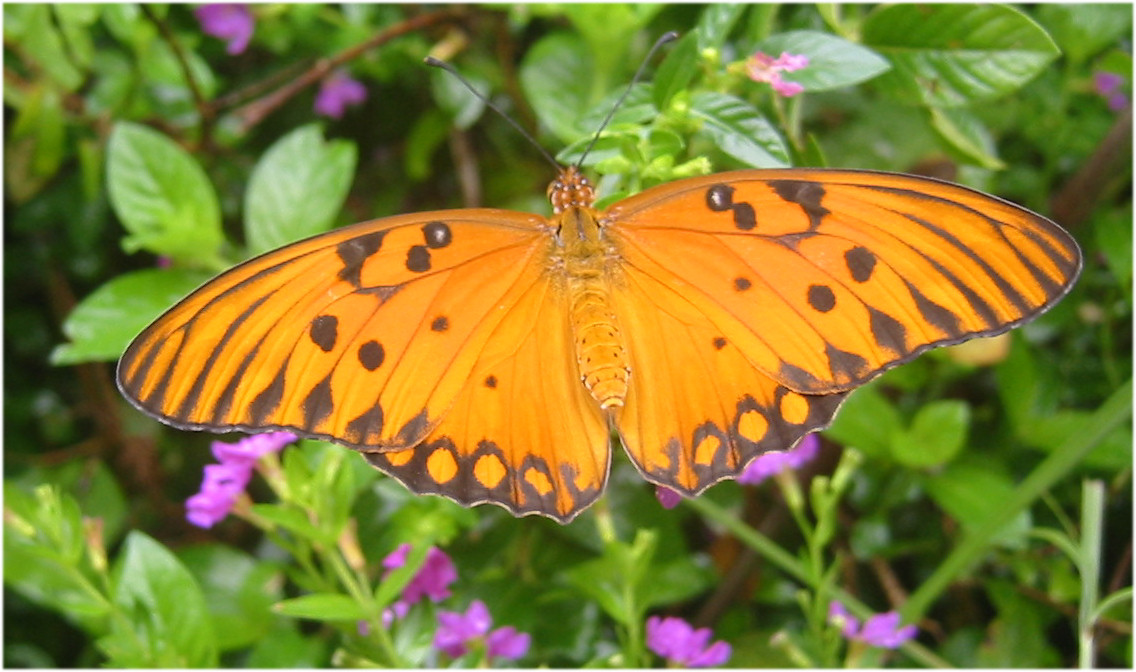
491	355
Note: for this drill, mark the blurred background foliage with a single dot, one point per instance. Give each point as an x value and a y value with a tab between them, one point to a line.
1031	104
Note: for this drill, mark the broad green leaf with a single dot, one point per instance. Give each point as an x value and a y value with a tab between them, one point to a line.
715	24
162	196
297	188
322	607
966	136
238	590
738	129
1084	29
950	55
555	76
866	422
676	70
104	323
833	62
37	145
168	624
34	28
463	107
935	437
43	553
974	490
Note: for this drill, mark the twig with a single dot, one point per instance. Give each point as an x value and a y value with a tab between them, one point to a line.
253	113
199	102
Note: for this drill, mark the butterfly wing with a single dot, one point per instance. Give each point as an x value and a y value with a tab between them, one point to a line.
825	278
384	336
697	409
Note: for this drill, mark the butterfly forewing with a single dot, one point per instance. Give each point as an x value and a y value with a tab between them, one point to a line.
826	278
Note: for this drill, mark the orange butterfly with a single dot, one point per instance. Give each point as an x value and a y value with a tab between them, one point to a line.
488	355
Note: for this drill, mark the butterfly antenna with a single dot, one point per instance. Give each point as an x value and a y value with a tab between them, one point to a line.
430	60
664	39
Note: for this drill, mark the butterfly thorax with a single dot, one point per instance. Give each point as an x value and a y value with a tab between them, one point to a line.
585	258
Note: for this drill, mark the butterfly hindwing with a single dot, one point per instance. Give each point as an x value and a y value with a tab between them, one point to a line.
698	410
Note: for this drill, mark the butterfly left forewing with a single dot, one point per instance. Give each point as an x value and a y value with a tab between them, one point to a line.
826	278
362	335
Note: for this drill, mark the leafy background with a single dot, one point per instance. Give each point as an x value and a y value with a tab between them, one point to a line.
140	158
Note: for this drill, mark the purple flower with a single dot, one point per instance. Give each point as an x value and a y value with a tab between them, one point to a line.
457	632
668	498
1108	84
336	93
772	463
432	580
881	630
764	68
224	482
677	641
227	22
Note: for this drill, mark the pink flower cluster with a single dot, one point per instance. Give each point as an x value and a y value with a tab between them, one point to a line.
225	481
764	68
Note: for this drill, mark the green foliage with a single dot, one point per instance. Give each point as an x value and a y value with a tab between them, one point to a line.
141	158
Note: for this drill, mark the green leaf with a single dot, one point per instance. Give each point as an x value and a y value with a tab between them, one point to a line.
966	136
972	491
297	188
462	106
33	27
715	24
104	323
555	76
43	549
289	518
866	422
935	437
833	62
951	55
322	607
1084	29
238	590
676	70
162	196
738	129
37	145
167	623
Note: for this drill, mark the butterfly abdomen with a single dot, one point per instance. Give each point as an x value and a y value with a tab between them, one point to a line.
600	353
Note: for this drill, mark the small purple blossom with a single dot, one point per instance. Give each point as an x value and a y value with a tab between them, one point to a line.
233	23
678	642
772	463
224	482
880	630
668	498
432	580
764	68
1109	85
457	632
336	93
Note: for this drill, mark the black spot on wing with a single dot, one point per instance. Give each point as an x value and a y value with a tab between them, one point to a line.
440	323
437	234
268	400
325	332
413	431
354	252
720	197
806	194
741	284
744	217
418	259
318	405
371	355
846	366
821	298
888	331
370	424
861	262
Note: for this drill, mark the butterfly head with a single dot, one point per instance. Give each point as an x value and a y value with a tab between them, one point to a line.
571	190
